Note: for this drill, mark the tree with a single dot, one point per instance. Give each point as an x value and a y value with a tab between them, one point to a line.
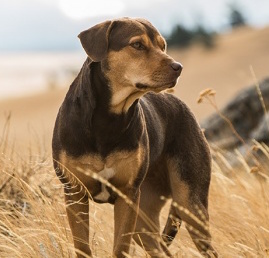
201	35
180	36
236	17
184	37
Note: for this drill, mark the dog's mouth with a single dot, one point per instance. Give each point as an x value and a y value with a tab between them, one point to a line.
144	87
141	86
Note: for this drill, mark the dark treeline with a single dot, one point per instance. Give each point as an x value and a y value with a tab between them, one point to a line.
183	37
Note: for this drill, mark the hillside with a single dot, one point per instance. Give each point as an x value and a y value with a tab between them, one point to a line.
226	68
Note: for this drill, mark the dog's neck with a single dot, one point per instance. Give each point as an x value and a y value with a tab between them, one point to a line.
105	128
120	102
99	95
115	99
87	112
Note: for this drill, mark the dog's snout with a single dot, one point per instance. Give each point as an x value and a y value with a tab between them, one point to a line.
177	67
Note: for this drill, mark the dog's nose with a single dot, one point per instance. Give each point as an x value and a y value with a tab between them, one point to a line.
177	67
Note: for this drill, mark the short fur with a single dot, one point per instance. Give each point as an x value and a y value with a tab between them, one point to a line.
115	126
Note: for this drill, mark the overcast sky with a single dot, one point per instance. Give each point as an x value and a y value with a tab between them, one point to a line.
54	24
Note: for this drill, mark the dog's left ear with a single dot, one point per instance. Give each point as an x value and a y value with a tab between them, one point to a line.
95	40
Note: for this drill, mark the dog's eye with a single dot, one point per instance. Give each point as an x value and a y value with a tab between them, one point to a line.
138	46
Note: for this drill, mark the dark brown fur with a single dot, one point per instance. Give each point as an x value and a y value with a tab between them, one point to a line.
116	125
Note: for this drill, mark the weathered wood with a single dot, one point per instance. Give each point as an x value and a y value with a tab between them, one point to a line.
247	116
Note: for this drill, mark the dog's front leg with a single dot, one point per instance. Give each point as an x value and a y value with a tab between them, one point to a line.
77	207
125	216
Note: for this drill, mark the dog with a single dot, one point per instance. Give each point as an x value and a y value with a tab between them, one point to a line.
120	139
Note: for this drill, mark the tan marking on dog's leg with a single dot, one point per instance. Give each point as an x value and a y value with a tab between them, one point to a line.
148	224
77	208
125	216
193	211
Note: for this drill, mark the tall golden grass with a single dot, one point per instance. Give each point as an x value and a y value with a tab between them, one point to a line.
33	220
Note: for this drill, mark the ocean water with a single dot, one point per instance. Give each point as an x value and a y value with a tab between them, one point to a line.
32	72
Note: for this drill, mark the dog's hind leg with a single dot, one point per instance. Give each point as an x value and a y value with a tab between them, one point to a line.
190	205
148	224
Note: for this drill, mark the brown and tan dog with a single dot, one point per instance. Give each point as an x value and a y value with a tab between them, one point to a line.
115	126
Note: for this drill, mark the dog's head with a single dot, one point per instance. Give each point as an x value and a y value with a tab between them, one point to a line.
133	57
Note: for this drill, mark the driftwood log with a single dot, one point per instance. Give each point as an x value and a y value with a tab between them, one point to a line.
247	116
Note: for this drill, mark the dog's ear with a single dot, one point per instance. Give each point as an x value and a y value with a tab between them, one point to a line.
95	40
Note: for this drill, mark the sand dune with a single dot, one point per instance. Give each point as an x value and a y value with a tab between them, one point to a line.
226	68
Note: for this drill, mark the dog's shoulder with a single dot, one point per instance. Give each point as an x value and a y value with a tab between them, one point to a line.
165	103
171	112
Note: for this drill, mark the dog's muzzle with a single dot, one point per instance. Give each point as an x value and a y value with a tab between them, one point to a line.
174	73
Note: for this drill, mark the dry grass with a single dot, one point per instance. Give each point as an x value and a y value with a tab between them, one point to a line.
239	209
33	221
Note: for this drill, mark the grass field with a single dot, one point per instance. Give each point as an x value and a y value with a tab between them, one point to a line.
33	222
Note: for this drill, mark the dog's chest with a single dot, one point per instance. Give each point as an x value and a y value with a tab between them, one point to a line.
97	174
106	174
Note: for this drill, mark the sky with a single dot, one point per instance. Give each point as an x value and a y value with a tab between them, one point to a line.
34	25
